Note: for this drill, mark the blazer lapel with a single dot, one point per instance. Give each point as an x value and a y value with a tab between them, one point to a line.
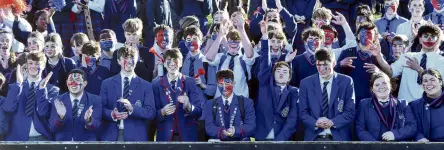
334	91
118	86
133	87
317	89
374	114
234	104
426	119
284	95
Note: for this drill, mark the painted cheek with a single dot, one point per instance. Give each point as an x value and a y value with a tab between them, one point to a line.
73	83
393	7
195	45
229	88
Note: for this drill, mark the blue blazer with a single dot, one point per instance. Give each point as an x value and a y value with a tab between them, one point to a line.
68	129
243	129
60	72
368	124
186	123
4	119
341	108
15	106
267	117
423	117
141	97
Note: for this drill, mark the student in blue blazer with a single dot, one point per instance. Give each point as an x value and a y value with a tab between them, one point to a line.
28	102
229	117
127	100
4	119
178	102
383	117
327	102
276	109
428	110
95	73
57	63
77	114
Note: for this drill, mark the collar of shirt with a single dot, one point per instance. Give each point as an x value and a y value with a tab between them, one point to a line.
197	56
308	53
329	80
130	77
157	49
103	56
36	82
229	99
73	98
176	79
396	16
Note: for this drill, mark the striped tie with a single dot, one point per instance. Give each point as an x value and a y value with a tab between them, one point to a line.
231	65
325	100
126	88
30	104
75	108
192	59
387	27
423	66
312	60
227	107
439	19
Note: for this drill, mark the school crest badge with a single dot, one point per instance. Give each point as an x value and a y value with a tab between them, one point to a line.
341	106
285	111
138	103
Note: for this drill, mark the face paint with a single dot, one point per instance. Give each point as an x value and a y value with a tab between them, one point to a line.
438	4
429	40
162	39
192	46
325	68
106	45
365	37
225	86
91	62
75	83
313	45
129	64
234	47
329	37
320	22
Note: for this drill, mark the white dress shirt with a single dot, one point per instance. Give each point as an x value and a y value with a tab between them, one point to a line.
240	87
156	59
409	89
230	99
328	88
32	131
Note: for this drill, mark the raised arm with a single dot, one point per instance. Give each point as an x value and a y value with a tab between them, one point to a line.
239	22
211	54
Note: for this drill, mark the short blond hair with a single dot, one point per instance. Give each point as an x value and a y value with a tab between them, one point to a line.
322	13
133	25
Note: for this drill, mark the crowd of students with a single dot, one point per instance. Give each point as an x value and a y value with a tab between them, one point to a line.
280	74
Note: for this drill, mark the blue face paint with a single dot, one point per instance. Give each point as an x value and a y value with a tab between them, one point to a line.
365	37
91	63
312	45
165	38
106	45
225	86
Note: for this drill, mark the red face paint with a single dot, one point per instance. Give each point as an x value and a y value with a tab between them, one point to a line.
162	36
73	83
429	44
195	45
393	7
329	37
